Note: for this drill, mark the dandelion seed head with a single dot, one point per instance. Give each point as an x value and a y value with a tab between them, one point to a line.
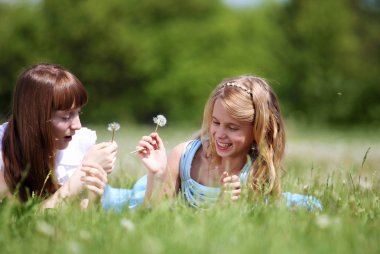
45	228
84	234
160	120
74	247
113	126
323	221
127	224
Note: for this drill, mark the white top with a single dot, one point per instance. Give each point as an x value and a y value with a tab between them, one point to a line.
69	159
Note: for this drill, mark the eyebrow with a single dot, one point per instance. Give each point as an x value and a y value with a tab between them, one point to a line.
228	123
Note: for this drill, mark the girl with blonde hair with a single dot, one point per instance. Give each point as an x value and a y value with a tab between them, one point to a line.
241	143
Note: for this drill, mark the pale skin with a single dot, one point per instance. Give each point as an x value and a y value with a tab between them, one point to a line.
232	139
90	175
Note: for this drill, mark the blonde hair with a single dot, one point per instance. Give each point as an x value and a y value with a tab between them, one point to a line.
250	99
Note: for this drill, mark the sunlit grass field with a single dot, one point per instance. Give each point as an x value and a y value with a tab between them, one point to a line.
340	168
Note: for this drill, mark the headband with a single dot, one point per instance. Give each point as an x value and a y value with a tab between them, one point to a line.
234	84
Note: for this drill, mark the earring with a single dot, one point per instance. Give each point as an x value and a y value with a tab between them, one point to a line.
254	151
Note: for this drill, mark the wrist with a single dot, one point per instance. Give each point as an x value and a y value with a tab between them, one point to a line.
158	174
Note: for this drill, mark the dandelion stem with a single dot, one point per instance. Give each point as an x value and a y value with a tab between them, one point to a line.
137	150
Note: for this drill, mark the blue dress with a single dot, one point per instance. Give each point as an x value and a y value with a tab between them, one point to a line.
196	194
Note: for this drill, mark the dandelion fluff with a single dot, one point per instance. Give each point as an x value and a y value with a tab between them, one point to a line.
114	126
160	120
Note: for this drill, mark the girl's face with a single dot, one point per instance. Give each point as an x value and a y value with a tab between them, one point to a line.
65	123
232	138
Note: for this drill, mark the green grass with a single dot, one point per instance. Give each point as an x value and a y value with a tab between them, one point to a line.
348	189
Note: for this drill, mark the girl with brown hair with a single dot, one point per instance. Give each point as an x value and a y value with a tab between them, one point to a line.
45	152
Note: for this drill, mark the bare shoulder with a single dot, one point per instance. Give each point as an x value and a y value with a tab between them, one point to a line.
175	156
178	149
173	176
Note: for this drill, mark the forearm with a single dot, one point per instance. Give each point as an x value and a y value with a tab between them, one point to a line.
160	187
71	188
154	191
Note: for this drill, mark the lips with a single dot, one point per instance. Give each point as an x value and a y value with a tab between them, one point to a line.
221	146
68	138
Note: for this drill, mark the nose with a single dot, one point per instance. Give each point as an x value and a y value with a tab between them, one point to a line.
220	132
75	124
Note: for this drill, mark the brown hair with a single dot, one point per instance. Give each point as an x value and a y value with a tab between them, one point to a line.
28	145
250	99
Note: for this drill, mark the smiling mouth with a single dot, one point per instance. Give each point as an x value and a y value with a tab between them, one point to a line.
223	146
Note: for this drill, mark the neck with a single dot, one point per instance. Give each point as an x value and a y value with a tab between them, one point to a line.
233	165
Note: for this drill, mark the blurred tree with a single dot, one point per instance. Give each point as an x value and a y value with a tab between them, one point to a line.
327	70
20	36
140	58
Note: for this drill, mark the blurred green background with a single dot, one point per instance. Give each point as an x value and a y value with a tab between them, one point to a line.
138	58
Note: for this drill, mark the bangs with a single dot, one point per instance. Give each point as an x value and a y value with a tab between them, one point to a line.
238	105
69	93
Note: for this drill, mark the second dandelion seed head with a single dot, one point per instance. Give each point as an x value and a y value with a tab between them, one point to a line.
114	126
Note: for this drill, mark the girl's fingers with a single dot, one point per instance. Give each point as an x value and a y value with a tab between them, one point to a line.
95	172
232	182
232	178
150	139
224	175
235	198
232	185
235	185
145	145
234	194
91	180
113	162
157	139
113	147
91	165
101	145
91	171
95	189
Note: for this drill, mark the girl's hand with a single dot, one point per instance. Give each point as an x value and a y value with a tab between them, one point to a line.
103	154
152	152
95	178
231	185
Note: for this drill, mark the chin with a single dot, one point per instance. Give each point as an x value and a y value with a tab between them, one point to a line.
63	146
223	153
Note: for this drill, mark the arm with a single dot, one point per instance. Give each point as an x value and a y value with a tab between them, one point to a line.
172	178
70	188
163	173
91	175
103	154
152	153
